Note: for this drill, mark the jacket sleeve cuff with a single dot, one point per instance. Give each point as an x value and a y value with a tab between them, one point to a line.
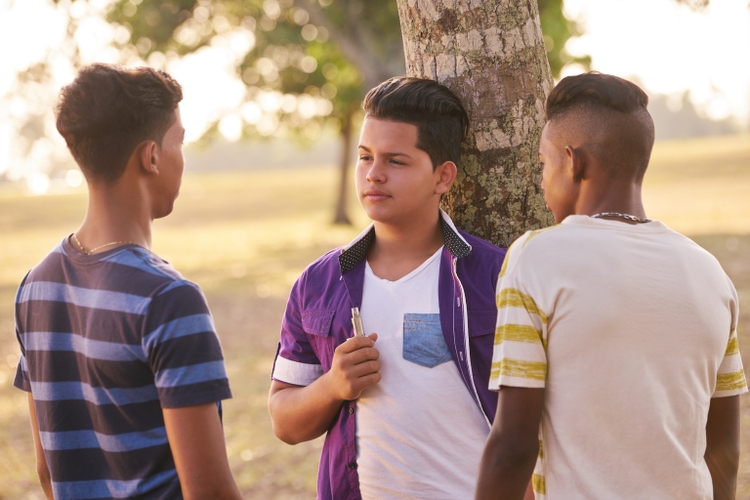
296	373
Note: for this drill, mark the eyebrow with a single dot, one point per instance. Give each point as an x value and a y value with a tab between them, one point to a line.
388	154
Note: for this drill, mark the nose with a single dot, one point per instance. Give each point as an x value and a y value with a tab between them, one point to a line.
376	172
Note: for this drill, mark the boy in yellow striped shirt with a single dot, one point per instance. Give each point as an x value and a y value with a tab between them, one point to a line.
616	356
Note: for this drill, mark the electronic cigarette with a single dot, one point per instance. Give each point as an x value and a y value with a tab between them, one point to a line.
359	330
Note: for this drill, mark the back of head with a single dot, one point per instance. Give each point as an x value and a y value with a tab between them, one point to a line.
438	114
107	111
607	115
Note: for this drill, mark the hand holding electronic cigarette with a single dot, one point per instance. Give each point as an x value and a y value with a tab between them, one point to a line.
355	366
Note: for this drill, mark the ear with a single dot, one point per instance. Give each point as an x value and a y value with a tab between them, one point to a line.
445	174
149	157
576	162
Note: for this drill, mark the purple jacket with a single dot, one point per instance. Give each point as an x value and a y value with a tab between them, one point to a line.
318	319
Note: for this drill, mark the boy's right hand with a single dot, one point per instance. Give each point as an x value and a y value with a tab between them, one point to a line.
302	413
355	367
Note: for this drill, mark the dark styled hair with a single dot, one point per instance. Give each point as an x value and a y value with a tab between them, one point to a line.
438	114
108	110
610	116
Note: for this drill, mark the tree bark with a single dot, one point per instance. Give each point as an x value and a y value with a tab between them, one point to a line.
491	54
341	216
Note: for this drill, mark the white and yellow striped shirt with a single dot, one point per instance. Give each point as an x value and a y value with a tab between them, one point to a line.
631	330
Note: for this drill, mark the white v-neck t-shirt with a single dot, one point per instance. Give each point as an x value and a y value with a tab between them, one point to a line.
419	432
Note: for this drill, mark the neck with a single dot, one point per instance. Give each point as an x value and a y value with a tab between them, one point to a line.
115	214
622	197
412	240
397	251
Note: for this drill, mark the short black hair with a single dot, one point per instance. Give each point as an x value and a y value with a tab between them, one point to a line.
108	110
438	114
610	114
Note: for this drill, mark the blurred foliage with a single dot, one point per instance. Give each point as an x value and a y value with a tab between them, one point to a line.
557	30
330	49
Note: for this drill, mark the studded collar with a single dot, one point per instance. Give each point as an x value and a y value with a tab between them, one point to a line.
356	251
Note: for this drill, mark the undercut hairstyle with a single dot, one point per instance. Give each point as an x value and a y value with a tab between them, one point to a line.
608	116
438	114
107	111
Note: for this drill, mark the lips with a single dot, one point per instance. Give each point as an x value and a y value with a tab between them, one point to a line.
375	195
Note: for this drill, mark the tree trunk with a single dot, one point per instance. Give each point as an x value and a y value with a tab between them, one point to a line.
340	216
490	53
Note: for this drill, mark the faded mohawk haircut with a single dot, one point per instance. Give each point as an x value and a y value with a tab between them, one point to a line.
610	115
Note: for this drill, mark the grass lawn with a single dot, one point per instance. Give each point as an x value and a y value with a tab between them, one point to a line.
245	237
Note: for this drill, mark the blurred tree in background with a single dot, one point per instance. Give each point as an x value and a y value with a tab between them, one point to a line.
309	62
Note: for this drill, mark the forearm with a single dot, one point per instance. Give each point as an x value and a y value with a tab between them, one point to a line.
512	446
197	442
722	446
723	470
300	414
505	469
42	469
46	481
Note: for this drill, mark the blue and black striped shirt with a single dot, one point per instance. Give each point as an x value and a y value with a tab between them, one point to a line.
107	341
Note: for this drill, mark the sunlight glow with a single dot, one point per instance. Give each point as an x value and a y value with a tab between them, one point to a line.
38	183
671	48
73	178
231	127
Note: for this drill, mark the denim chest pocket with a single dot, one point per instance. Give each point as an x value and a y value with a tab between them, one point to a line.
424	343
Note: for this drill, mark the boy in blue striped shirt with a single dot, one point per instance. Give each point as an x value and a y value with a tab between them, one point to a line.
124	372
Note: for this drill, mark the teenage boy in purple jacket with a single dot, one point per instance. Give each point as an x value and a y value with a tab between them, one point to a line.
406	410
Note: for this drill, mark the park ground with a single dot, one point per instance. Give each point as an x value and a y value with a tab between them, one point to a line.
246	236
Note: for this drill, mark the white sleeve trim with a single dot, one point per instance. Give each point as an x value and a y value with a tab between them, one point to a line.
296	373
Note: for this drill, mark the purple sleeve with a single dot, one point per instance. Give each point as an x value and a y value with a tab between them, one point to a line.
296	362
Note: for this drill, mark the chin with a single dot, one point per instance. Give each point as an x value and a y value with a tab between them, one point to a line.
379	216
373	213
160	214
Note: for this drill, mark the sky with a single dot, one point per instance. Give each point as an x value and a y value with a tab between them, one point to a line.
667	47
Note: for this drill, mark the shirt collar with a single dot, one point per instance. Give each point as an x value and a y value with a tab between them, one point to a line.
353	253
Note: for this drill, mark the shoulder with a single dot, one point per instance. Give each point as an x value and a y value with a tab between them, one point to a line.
482	249
146	261
533	245
52	263
326	263
157	279
319	281
543	239
151	275
700	260
321	271
478	271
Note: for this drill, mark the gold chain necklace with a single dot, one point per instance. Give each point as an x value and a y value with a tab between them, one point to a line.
89	252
